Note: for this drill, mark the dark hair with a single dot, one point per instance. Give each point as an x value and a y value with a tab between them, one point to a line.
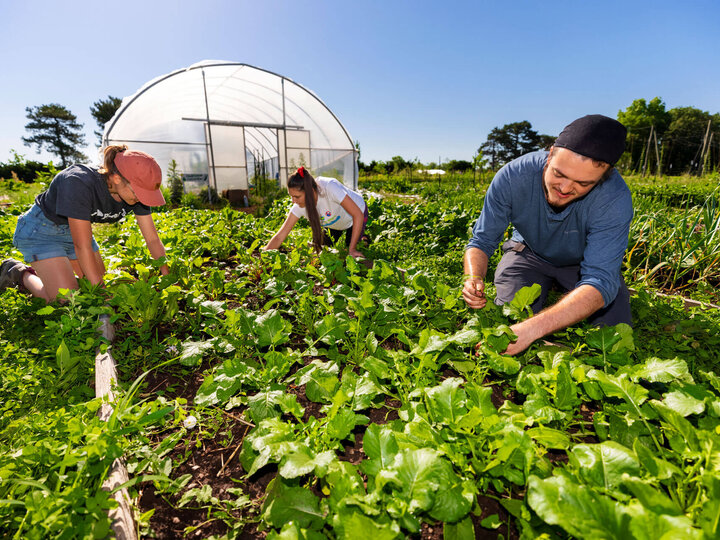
304	181
108	167
109	153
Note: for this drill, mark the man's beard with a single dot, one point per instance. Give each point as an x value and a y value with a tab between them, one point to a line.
555	207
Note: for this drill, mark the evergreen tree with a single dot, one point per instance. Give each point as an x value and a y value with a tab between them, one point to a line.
54	127
102	111
511	141
177	189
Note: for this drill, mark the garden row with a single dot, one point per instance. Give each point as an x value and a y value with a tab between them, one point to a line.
333	398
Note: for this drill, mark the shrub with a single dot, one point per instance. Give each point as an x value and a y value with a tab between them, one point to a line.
20	168
177	188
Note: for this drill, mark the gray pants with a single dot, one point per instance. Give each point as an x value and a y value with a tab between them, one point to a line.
520	267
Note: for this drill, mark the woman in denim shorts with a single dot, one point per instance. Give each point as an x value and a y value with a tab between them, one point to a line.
55	235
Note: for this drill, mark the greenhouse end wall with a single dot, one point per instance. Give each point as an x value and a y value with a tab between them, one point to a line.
224	123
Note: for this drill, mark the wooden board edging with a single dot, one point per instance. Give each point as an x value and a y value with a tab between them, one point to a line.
123	524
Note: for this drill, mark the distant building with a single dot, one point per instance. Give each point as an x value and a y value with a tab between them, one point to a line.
431	171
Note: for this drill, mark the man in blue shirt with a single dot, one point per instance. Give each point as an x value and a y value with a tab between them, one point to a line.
571	213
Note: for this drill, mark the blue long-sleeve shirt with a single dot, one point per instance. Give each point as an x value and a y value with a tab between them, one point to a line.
591	231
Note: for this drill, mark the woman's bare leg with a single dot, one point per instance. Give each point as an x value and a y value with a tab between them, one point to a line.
53	274
34	285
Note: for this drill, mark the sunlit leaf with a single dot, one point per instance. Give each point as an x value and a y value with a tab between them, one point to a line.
660	370
604	464
683	402
582	512
286	503
193	352
446	402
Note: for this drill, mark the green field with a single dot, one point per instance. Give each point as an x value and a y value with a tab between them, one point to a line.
333	398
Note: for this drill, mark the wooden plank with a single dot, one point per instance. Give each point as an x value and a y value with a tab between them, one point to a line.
123	524
105	378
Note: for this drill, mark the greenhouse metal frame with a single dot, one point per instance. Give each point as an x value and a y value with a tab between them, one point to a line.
228	124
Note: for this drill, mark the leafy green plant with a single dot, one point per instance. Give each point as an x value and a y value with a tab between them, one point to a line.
359	390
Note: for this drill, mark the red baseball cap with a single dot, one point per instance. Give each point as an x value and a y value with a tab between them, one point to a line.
144	175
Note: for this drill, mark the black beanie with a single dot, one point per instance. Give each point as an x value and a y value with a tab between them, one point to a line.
594	136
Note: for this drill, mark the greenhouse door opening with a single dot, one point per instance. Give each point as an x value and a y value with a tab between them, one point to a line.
297	151
242	157
226	156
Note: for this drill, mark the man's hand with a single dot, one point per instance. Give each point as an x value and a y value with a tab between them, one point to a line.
355	254
475	262
575	306
474	293
525	338
522	342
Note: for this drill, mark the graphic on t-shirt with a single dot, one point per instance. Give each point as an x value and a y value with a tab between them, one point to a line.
328	223
99	214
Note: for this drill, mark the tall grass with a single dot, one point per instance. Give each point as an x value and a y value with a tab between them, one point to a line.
674	248
15	194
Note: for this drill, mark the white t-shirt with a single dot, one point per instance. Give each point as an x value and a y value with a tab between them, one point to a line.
330	195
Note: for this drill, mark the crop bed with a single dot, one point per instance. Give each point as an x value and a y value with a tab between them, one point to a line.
333	398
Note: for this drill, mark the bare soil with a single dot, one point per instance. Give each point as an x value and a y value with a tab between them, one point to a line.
214	461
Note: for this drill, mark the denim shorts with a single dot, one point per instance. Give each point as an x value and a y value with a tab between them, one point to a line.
38	238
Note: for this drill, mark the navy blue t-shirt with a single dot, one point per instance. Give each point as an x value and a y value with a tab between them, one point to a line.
81	192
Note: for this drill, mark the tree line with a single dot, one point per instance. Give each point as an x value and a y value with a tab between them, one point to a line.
660	141
675	141
503	144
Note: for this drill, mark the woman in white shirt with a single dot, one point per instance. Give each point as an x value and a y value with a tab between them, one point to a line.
331	206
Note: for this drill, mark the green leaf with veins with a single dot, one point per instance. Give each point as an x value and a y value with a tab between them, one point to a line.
303	461
604	464
194	351
349	523
446	402
519	307
579	510
272	403
660	370
380	446
287	503
271	329
361	389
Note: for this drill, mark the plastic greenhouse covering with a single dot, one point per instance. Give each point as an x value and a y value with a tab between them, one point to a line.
226	123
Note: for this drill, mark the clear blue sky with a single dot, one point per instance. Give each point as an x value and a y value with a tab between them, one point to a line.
419	79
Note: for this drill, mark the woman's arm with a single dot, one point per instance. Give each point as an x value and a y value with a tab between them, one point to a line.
91	266
280	236
358	218
154	244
